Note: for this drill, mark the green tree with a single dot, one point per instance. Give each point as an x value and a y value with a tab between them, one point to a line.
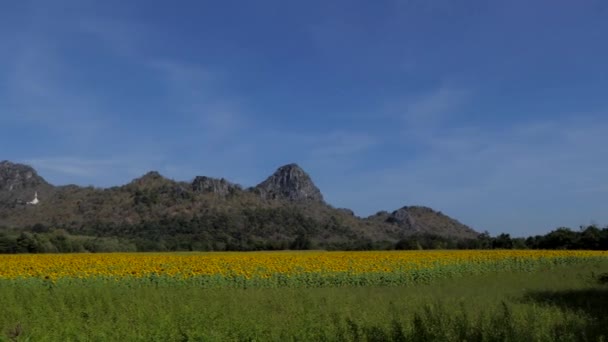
502	241
301	242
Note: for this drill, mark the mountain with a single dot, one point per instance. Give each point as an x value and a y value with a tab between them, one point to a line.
19	183
417	219
290	183
157	213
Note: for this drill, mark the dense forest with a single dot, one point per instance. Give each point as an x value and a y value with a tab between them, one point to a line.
181	236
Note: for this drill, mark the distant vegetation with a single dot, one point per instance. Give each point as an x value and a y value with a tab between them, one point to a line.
285	211
216	234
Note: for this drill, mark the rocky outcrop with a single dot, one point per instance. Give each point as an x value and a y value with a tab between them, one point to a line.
290	183
403	217
424	220
220	187
19	184
15	177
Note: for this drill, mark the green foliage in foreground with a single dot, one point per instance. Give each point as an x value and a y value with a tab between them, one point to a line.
566	303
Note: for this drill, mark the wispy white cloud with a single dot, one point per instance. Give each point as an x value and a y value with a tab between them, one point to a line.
337	146
426	111
121	37
70	166
196	92
44	92
341	143
193	91
526	176
84	170
185	75
38	94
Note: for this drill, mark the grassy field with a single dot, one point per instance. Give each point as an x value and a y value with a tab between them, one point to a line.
538	297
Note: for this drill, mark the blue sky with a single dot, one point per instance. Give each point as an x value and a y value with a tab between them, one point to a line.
494	112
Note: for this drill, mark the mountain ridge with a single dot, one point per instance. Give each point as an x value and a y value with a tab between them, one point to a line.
285	205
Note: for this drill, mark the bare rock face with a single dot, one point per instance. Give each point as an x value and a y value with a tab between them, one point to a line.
418	219
402	217
216	186
19	183
15	177
290	183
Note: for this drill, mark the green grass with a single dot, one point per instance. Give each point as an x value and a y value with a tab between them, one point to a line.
564	303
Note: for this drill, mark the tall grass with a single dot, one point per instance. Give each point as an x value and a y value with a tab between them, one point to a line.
564	303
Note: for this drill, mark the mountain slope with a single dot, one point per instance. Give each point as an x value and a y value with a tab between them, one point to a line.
417	219
209	211
19	183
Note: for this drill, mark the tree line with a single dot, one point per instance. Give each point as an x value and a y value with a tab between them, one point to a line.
586	238
217	235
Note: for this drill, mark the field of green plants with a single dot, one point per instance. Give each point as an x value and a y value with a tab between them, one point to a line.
562	300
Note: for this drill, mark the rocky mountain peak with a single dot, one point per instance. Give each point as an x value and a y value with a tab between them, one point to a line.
290	182
401	216
420	219
216	186
15	177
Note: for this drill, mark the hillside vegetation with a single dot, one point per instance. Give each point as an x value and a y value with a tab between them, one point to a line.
286	210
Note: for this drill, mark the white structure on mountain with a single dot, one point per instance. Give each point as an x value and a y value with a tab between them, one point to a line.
35	200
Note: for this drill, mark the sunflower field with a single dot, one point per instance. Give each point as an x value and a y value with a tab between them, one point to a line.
282	269
472	295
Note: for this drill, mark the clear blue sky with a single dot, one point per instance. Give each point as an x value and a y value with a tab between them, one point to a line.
494	112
